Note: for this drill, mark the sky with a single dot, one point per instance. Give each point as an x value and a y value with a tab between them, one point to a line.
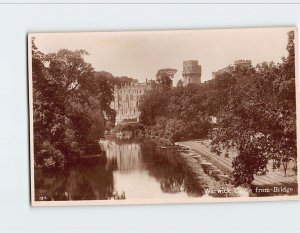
140	54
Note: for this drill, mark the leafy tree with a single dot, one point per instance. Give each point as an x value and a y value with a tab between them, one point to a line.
254	108
114	80
176	114
106	83
69	106
259	117
180	83
153	104
165	76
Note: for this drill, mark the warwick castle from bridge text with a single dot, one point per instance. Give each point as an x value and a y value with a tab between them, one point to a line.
127	98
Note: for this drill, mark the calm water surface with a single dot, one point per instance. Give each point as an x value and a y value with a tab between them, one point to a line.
128	170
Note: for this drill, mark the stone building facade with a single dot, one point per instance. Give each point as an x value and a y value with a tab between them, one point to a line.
126	101
191	72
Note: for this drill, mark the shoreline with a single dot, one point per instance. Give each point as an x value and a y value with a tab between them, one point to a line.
271	179
222	163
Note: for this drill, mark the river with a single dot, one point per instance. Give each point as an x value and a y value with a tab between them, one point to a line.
127	170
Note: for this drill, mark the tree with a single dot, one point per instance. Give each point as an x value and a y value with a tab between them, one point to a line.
176	114
153	104
259	117
69	106
114	80
105	82
165	76
180	83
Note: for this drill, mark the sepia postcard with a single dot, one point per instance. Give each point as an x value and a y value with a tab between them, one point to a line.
175	116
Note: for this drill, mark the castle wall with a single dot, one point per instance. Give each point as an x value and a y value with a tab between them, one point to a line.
244	63
240	63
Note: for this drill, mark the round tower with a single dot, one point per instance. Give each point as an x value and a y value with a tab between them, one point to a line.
191	72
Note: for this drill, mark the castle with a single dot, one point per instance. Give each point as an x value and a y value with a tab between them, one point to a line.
126	98
191	72
243	63
126	101
238	63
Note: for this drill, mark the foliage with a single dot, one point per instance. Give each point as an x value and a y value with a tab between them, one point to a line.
69	106
129	131
153	104
176	114
165	76
254	108
129	127
259	118
183	112
108	82
114	81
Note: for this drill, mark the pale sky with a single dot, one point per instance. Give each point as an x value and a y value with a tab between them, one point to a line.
140	54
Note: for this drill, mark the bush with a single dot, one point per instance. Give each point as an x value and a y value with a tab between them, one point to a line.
49	157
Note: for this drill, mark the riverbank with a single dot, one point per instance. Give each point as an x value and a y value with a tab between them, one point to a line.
224	164
209	177
272	178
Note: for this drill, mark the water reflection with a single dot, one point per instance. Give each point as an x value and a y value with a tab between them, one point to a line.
83	182
123	157
127	170
169	168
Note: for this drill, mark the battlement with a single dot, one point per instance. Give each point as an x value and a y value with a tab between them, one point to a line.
246	63
191	66
133	85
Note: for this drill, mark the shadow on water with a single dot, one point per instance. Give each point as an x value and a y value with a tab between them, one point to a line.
169	168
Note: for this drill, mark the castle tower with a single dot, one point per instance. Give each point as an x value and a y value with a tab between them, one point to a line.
191	72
